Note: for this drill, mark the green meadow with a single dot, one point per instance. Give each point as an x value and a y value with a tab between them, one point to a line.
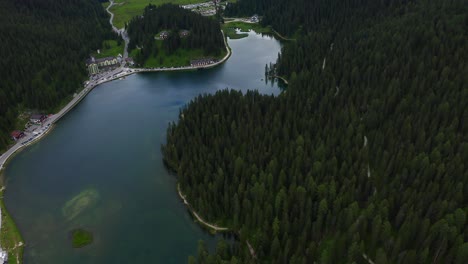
124	10
229	29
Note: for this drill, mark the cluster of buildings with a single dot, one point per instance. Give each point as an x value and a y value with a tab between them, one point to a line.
96	66
207	8
202	62
36	119
165	34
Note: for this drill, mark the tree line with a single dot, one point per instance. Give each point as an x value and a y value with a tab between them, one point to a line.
363	157
204	32
43	46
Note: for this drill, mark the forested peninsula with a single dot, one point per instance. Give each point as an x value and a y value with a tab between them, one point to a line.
169	33
43	48
362	160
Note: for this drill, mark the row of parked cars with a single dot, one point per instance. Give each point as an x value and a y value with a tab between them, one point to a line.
36	134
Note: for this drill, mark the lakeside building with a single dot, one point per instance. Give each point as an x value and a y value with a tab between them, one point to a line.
97	65
37	118
254	19
119	58
202	62
3	256
17	134
129	61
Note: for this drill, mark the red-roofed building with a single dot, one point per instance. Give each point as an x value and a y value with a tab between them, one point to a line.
17	134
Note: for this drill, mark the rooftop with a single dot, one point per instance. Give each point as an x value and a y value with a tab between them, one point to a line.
37	116
16	134
104	59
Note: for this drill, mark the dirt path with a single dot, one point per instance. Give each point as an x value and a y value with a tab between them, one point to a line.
252	251
214	227
367	258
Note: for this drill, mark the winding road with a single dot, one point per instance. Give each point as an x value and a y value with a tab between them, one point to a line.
122	32
117	73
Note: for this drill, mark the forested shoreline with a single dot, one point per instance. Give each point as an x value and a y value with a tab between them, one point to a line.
43	49
364	155
202	33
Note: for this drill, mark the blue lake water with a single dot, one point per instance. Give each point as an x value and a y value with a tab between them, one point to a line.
101	167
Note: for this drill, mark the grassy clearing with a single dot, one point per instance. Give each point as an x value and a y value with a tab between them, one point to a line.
232	34
180	57
110	48
230	29
124	10
21	122
10	238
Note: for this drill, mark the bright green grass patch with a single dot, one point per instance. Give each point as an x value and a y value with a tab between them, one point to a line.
180	57
125	10
110	48
81	238
232	34
10	237
245	27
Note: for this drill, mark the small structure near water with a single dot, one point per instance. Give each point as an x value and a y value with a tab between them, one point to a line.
254	19
129	61
3	256
37	118
17	134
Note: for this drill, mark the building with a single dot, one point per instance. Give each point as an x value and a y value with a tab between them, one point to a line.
163	35
202	62
184	33
92	66
37	118
97	65
129	61
17	134
254	19
107	62
3	256
119	58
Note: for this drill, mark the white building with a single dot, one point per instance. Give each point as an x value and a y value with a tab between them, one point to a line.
3	256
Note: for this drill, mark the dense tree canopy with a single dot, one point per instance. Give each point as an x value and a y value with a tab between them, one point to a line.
43	46
204	32
364	156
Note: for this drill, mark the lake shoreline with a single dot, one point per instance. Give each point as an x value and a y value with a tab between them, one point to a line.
211	227
170	91
13	149
18	147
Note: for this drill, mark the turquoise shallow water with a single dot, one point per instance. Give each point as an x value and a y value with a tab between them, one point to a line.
101	167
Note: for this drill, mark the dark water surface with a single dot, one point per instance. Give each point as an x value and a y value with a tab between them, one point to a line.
101	167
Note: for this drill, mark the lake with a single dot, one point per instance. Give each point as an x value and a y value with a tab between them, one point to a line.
101	167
